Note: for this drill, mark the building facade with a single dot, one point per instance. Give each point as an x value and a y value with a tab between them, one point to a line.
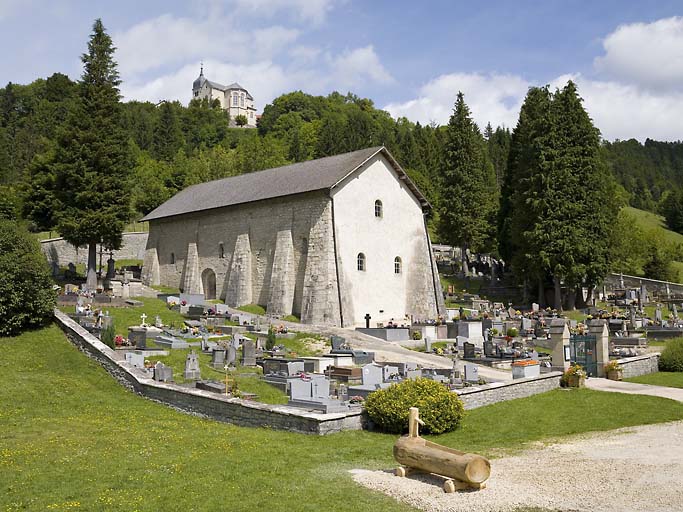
329	240
233	98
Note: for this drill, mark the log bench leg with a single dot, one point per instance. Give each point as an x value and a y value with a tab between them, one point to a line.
405	471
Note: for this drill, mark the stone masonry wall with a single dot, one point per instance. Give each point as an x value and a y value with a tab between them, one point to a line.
239	244
640	365
62	252
205	403
518	388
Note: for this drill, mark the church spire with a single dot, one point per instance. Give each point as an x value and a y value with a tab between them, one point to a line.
201	68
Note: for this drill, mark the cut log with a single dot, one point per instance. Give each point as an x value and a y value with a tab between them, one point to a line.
418	453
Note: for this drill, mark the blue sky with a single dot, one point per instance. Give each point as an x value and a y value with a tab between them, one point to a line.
410	58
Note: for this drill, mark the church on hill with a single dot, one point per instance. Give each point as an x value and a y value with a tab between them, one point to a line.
329	240
233	98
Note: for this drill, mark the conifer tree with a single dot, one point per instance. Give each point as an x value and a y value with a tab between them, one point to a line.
468	201
168	137
92	161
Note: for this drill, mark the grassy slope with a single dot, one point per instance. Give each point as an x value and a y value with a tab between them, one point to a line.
649	221
70	437
669	379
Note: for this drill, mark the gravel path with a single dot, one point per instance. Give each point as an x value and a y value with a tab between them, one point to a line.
628	470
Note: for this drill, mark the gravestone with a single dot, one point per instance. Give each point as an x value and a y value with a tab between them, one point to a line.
372	375
488	349
136	359
527	324
217	358
192	371
231	355
248	353
471	372
137	336
172	299
111	268
658	314
468	349
535	307
338	343
221	309
428	344
163	373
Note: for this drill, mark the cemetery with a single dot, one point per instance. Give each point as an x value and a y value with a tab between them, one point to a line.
282	333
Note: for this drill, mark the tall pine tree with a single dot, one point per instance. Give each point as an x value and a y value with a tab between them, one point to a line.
92	162
468	186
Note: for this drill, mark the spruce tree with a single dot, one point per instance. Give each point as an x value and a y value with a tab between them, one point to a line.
468	185
92	163
168	137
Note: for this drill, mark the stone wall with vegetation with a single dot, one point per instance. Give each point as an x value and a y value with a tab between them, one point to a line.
640	365
495	392
206	403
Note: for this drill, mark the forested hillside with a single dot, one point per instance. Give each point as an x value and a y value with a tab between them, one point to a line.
173	146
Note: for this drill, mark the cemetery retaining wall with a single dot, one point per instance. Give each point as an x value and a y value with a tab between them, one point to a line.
640	365
206	403
613	281
501	391
61	252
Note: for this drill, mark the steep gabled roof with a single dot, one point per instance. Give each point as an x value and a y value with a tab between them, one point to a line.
322	174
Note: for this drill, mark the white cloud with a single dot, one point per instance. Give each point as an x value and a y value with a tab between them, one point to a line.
308	11
357	66
624	111
649	55
620	111
490	97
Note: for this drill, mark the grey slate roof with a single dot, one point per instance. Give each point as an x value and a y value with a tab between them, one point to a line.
321	174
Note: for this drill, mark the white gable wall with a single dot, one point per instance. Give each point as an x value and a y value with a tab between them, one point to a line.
400	232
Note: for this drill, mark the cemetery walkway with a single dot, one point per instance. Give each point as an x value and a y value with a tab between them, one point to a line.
633	388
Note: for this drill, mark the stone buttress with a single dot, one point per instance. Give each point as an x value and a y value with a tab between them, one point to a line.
191	280
150	267
320	301
239	288
282	277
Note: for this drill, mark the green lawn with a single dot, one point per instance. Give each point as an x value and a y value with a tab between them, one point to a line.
668	379
71	437
125	317
254	309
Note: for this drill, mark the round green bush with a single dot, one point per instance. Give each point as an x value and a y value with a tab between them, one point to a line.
26	295
512	332
671	359
440	409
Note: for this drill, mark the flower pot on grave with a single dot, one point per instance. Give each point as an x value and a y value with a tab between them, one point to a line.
615	374
574	381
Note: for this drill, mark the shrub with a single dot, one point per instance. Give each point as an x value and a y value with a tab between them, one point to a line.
512	332
417	335
440	409
671	359
26	295
108	335
270	339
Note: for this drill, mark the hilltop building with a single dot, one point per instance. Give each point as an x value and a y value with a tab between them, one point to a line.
328	240
234	98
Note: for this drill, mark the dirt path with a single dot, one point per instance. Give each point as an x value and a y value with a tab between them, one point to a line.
633	469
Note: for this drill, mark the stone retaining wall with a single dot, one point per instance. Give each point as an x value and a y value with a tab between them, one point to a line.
501	391
640	365
62	253
206	403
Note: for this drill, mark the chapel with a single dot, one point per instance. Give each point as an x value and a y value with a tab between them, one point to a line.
233	98
329	240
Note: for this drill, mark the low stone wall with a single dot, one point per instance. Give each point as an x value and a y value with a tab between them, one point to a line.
640	365
398	334
206	403
501	391
62	253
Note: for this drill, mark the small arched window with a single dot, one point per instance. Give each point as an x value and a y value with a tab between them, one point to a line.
221	250
172	258
378	209
361	261
397	265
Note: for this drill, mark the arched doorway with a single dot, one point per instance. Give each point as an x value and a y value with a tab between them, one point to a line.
209	284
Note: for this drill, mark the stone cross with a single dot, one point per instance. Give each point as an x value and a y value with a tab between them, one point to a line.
143	317
367	320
